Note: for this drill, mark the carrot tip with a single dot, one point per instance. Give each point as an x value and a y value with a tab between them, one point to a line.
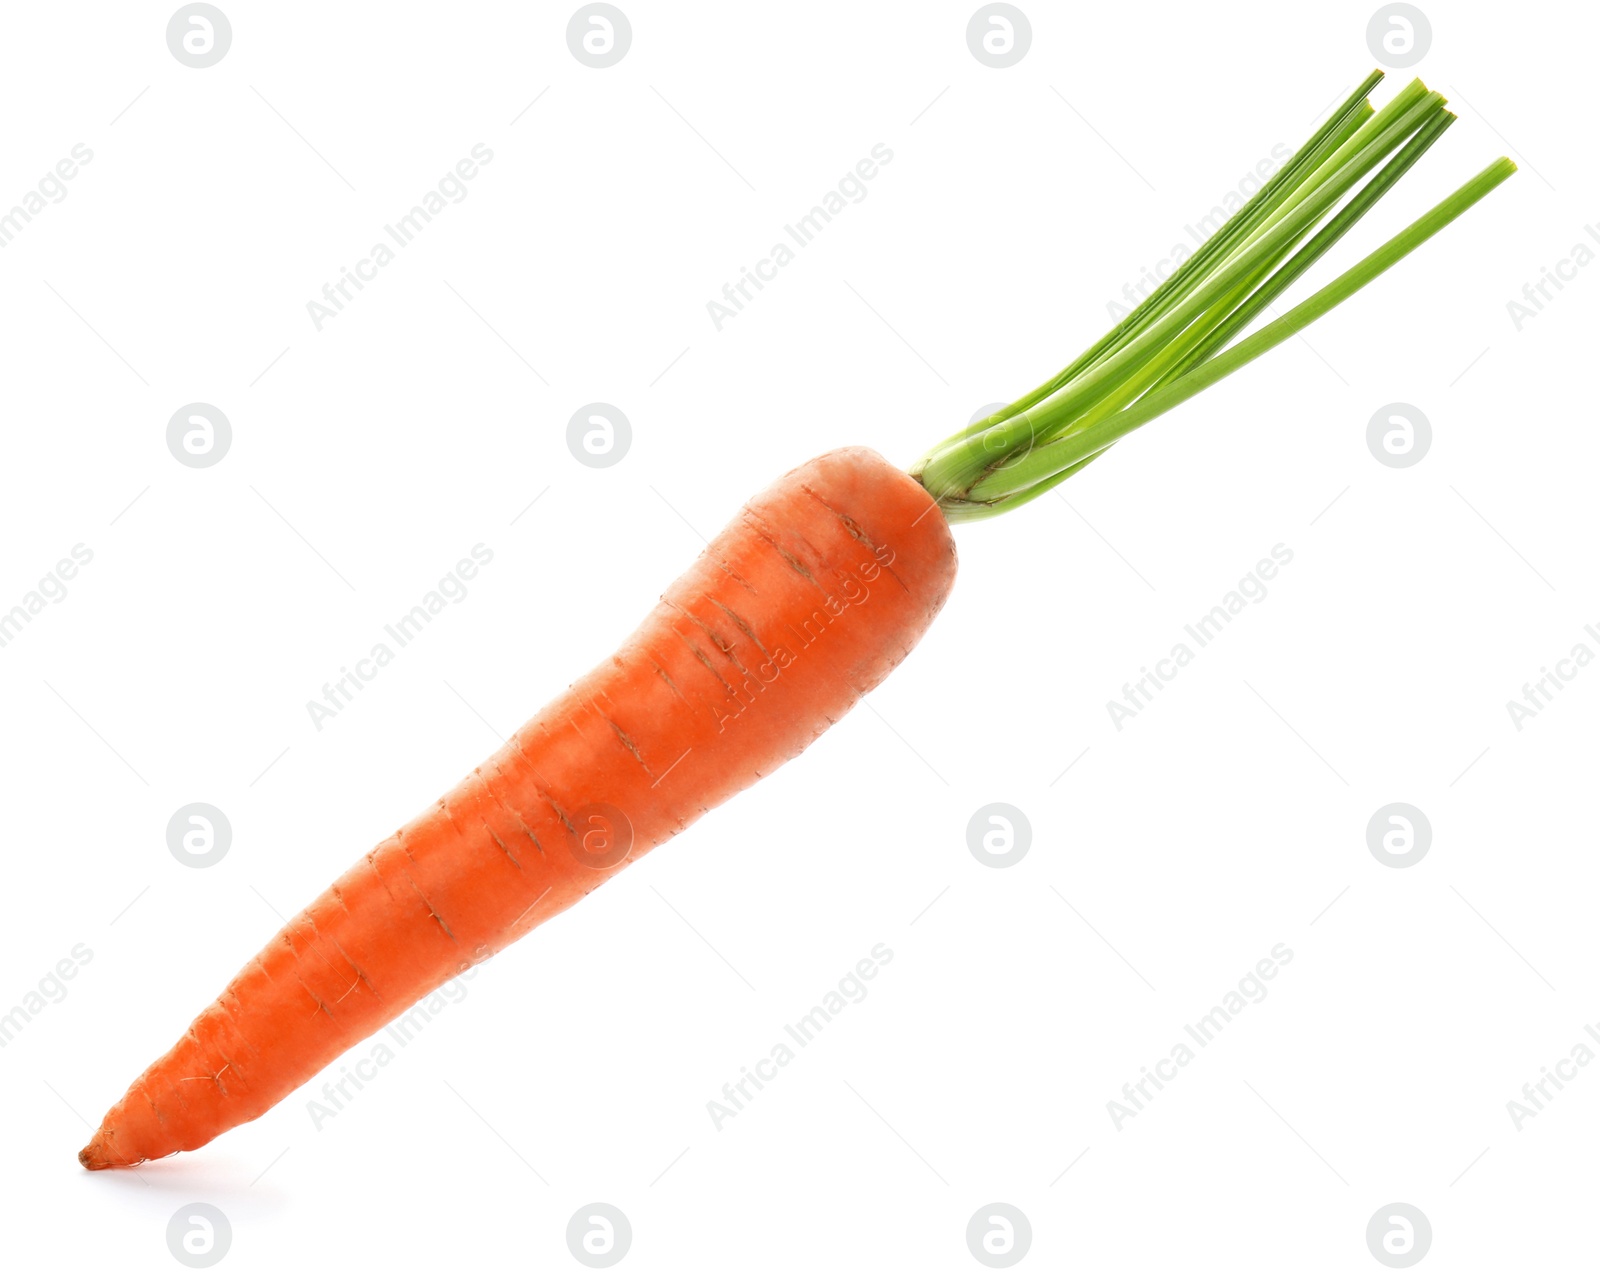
97	1155
100	1154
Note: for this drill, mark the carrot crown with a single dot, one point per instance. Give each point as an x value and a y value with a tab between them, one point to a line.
1176	341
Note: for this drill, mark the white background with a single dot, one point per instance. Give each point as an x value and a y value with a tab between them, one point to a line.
1228	817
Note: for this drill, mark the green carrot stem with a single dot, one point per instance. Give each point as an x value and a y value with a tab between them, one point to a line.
1341	125
955	473
1386	116
1050	463
1324	239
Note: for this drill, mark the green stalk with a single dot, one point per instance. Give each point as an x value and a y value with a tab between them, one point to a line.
1058	412
954	473
1391	112
1051	463
1345	122
1324	239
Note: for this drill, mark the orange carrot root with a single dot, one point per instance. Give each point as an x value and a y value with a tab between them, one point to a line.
819	587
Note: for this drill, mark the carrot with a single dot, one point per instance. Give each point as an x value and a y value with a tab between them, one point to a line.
819	587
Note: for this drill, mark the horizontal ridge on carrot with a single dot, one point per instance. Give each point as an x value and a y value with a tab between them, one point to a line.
814	593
